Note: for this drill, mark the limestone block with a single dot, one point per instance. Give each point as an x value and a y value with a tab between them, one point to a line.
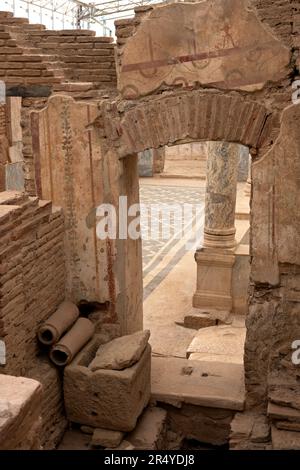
20	408
121	353
176	381
150	432
198	318
108	399
106	438
217	45
214	274
222	339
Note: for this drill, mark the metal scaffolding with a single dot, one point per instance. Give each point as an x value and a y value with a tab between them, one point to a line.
75	13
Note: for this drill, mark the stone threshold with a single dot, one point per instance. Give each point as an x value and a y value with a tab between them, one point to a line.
178	381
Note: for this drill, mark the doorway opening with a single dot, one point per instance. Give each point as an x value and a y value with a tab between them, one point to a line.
172	178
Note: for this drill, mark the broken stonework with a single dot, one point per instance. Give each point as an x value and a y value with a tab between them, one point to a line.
109	399
198	318
250	431
150	432
106	438
20	408
204	424
121	353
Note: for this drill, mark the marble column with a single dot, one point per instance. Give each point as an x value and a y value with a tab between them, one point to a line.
216	258
220	202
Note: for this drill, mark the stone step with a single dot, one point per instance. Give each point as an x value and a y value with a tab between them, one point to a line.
34	27
211	384
13	21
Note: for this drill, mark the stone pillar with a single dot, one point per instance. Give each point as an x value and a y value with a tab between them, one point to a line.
216	258
220	201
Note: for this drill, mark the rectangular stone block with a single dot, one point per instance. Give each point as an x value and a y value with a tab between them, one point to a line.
20	408
109	399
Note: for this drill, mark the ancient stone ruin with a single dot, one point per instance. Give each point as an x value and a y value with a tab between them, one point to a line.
133	342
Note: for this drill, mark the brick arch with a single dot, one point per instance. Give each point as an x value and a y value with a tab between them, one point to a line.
193	116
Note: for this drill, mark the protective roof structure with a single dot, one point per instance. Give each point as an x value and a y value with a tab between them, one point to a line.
75	13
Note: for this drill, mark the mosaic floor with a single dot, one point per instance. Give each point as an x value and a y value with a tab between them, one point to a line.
161	232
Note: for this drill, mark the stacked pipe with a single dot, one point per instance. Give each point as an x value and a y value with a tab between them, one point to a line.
66	333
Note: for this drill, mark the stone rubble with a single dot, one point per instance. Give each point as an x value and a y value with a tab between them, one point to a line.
120	353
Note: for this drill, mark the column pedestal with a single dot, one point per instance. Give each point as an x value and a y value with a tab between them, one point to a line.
214	276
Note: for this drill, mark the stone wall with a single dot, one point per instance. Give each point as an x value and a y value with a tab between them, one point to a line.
32	285
151	112
86	57
20	65
32	55
77	171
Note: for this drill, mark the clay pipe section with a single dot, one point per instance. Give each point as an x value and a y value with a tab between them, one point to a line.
64	351
61	320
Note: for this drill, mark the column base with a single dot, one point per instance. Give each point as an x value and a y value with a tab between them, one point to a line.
214	274
219	238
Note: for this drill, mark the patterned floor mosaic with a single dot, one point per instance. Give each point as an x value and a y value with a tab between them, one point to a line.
155	248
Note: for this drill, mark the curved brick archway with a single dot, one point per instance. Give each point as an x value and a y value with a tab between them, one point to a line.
191	116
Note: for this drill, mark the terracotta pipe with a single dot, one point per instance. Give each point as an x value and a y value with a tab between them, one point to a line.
61	320
67	348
